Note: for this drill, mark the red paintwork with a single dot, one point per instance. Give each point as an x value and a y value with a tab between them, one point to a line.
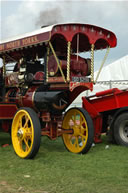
39	76
93	33
101	102
7	110
78	66
6	125
84	86
27	100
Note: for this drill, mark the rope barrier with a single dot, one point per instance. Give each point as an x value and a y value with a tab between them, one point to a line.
118	82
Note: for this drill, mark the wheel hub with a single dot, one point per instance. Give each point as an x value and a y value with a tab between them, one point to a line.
20	133
76	130
126	132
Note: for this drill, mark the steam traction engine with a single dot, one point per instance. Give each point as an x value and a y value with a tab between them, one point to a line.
42	73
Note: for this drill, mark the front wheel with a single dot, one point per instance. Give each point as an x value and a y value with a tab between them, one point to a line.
80	122
121	129
26	133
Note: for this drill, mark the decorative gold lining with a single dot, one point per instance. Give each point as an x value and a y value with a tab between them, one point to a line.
53	51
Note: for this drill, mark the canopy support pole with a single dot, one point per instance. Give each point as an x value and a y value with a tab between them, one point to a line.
92	62
48	51
105	57
4	69
68	61
78	46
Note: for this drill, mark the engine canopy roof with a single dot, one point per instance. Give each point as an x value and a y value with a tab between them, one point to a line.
59	34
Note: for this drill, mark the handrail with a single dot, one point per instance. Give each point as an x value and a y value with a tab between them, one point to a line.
53	51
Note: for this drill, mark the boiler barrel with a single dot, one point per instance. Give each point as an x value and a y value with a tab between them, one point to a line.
40	98
52	101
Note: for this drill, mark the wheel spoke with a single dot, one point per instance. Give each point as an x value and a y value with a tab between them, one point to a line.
74	116
26	143
83	130
70	137
76	144
83	125
83	136
83	122
20	122
28	134
83	140
20	143
72	120
26	121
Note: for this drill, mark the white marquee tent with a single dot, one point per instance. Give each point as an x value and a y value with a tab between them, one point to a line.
114	75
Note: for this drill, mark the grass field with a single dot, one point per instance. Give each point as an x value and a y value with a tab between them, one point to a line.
55	170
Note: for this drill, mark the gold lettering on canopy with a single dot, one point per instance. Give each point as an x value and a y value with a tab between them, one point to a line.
1	47
13	44
19	43
30	40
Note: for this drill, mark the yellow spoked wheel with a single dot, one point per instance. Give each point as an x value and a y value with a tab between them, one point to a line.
80	122
26	133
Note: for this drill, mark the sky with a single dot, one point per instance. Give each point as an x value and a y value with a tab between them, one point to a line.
18	17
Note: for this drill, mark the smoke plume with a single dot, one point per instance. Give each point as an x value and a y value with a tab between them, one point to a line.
49	17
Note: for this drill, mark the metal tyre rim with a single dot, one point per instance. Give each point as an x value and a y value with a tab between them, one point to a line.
75	120
123	131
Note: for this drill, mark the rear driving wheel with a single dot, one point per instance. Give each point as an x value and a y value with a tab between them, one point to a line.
121	129
26	133
81	138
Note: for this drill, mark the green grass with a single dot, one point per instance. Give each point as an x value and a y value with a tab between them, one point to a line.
55	170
